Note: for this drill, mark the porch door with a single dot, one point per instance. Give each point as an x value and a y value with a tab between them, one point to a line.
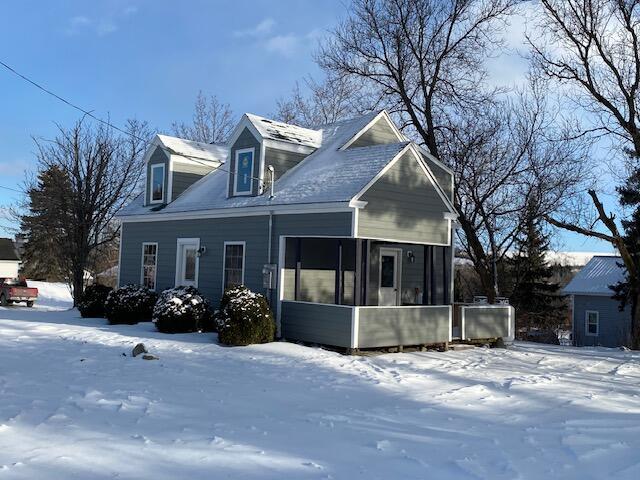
390	274
187	262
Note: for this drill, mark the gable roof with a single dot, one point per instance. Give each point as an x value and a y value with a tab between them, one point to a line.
596	276
328	175
8	250
191	150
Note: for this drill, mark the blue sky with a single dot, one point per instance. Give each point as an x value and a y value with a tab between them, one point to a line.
148	60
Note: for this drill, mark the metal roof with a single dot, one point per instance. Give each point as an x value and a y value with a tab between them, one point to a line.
596	277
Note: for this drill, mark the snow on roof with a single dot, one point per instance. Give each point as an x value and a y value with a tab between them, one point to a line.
285	132
596	276
195	150
327	175
574	259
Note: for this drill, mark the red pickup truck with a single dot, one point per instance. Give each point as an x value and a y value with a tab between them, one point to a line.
14	290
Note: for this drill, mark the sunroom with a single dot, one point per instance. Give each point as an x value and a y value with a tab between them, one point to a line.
360	293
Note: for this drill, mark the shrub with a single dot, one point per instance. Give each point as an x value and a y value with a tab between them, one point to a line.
182	310
92	302
244	318
130	304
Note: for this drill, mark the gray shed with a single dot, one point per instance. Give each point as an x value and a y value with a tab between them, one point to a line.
596	317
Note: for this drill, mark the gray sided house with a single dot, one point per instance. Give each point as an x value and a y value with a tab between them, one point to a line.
597	319
9	259
346	228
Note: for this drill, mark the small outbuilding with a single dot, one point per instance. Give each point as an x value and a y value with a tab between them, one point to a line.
596	316
9	259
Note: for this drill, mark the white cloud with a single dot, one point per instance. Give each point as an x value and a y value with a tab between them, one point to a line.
11	169
130	10
285	45
263	28
103	25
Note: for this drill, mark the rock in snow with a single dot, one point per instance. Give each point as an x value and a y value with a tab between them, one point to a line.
138	349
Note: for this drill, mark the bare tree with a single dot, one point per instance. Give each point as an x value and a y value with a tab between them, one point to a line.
592	49
96	173
425	60
212	121
509	158
422	58
335	98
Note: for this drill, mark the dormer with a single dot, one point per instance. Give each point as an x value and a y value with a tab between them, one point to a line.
257	143
173	164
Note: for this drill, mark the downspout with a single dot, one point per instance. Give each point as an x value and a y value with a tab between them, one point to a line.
269	242
271	195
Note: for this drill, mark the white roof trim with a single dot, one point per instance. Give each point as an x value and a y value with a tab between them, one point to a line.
424	168
382	114
434	181
328	207
244	122
427	153
155	143
380	174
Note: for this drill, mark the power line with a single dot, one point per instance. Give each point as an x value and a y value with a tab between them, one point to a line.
109	124
11	189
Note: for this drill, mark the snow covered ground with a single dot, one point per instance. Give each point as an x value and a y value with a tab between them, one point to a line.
72	406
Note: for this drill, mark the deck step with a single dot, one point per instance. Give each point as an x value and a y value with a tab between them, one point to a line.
461	346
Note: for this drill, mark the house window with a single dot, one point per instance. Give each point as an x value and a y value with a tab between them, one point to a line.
592	323
233	263
244	172
157	183
149	264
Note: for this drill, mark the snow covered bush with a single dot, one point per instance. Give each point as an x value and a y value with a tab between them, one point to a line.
182	310
130	304
91	305
244	318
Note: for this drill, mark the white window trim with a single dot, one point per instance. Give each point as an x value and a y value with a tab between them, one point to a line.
235	171
224	260
179	243
155	271
586	323
153	167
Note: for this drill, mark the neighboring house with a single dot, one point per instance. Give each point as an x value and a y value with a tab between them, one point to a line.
9	259
351	243
597	319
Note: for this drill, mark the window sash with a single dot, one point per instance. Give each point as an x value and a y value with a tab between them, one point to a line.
157	183
243	182
233	264
149	265
592	323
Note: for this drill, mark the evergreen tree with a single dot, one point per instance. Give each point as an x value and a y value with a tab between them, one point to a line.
535	296
628	291
43	226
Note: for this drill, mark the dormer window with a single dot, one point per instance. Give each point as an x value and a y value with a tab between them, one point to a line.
243	182
157	183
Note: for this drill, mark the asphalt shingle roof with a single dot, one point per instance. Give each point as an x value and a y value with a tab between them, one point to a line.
327	175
